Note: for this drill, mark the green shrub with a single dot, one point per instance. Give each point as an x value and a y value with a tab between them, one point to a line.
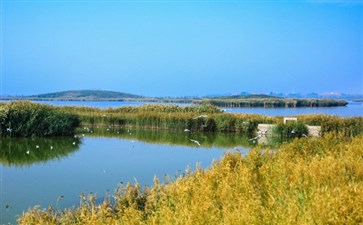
291	129
25	119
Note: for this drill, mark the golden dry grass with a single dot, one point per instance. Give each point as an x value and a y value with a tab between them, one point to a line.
308	181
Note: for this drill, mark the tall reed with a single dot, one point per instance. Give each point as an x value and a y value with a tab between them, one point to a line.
24	118
308	181
27	119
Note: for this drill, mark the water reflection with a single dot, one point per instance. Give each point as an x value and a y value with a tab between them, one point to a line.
96	161
179	138
191	139
27	151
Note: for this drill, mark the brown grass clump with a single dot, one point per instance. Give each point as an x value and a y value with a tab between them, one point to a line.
308	181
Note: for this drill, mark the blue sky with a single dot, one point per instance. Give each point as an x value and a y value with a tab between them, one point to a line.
181	48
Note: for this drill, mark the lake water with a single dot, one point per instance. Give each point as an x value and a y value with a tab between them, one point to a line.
352	109
55	171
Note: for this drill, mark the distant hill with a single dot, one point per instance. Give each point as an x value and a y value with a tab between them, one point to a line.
243	100
85	95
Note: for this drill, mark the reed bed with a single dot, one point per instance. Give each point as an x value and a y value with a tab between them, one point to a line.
205	118
307	181
208	118
271	102
25	119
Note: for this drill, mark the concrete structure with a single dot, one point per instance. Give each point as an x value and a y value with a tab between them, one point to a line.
265	129
314	131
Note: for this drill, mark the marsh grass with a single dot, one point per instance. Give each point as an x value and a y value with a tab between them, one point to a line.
271	102
202	118
291	130
308	181
207	118
22	118
26	119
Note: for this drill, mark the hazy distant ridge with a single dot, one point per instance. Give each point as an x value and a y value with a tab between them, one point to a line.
86	95
245	100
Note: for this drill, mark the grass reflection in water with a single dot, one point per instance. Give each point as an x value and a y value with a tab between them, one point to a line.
27	151
206	139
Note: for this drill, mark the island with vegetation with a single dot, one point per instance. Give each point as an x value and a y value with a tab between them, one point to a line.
252	100
25	118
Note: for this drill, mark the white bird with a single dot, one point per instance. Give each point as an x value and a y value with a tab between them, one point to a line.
197	142
186	130
262	133
8	129
37	146
293	131
27	152
255	138
74	143
51	147
204	116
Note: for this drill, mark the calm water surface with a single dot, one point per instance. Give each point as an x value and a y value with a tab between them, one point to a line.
96	163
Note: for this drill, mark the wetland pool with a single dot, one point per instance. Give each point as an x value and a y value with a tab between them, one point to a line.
55	171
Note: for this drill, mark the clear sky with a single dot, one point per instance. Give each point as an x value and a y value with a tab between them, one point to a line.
181	48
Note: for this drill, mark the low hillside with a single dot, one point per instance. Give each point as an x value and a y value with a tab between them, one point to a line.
86	95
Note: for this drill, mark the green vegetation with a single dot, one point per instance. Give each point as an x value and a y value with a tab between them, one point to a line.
291	129
351	126
206	118
25	119
21	118
308	181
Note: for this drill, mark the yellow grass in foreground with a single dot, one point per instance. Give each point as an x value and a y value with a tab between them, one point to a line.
309	181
